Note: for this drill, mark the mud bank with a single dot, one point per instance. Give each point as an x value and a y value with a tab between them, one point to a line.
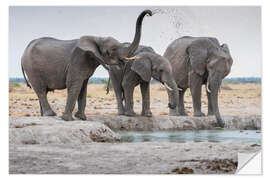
155	123
46	130
127	158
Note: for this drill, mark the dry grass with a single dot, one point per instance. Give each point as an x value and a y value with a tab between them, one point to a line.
235	99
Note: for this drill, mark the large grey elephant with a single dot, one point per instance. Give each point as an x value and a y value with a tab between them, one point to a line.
147	64
58	64
197	61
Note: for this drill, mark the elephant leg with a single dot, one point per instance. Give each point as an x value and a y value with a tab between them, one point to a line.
82	102
128	91
145	90
118	93
210	106
73	92
196	90
45	108
181	103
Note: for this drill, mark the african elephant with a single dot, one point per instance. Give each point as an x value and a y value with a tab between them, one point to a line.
197	61
147	64
58	64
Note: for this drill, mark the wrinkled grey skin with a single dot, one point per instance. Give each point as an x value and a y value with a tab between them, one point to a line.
126	78
196	61
58	64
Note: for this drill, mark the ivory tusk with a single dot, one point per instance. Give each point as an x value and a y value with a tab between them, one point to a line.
180	89
131	58
167	87
207	89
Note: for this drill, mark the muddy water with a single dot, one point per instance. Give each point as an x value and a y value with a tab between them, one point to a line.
246	136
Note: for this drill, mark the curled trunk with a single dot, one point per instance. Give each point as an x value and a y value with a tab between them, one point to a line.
136	41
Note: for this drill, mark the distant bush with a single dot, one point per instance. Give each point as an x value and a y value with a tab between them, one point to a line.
95	80
243	80
98	80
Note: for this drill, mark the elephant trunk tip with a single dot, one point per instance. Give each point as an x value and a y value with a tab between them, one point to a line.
149	12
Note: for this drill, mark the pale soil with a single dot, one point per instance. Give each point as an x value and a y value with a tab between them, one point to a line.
242	99
127	158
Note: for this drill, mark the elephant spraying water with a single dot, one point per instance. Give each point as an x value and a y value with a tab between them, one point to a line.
58	64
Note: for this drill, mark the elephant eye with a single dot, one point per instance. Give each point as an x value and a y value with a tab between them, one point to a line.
114	49
161	70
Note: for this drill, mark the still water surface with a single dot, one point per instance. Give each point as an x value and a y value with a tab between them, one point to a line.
246	136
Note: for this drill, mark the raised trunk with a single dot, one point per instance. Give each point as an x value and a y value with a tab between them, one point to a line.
214	100
135	43
173	98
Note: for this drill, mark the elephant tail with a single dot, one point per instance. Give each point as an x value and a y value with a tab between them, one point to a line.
27	83
108	89
108	86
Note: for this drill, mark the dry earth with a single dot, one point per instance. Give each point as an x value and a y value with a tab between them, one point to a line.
127	158
234	99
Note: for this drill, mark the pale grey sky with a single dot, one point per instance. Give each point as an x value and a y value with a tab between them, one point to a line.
239	27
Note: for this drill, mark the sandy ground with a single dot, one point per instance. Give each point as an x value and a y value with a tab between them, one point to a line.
234	99
128	158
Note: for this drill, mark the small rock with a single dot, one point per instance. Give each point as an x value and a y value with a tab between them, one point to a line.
254	145
184	170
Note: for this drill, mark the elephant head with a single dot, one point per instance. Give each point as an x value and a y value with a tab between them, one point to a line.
148	64
108	50
208	58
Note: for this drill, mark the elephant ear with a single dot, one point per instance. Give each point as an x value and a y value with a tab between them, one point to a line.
198	55
142	66
89	45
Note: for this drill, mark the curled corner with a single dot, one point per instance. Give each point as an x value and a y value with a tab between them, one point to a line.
249	163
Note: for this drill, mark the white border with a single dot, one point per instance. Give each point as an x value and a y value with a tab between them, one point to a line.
4	72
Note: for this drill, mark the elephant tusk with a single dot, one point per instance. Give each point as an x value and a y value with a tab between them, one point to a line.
207	89
167	87
180	89
131	58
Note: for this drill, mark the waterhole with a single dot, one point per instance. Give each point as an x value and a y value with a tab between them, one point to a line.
242	136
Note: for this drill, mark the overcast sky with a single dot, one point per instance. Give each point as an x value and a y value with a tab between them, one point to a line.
239	27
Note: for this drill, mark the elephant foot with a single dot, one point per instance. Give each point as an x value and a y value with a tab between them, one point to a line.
121	112
198	114
221	123
210	113
49	113
80	115
130	113
147	113
67	117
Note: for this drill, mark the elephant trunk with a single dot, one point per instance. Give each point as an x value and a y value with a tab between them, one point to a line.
135	43
214	87
173	94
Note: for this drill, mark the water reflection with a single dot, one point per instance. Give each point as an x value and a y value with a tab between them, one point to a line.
249	136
